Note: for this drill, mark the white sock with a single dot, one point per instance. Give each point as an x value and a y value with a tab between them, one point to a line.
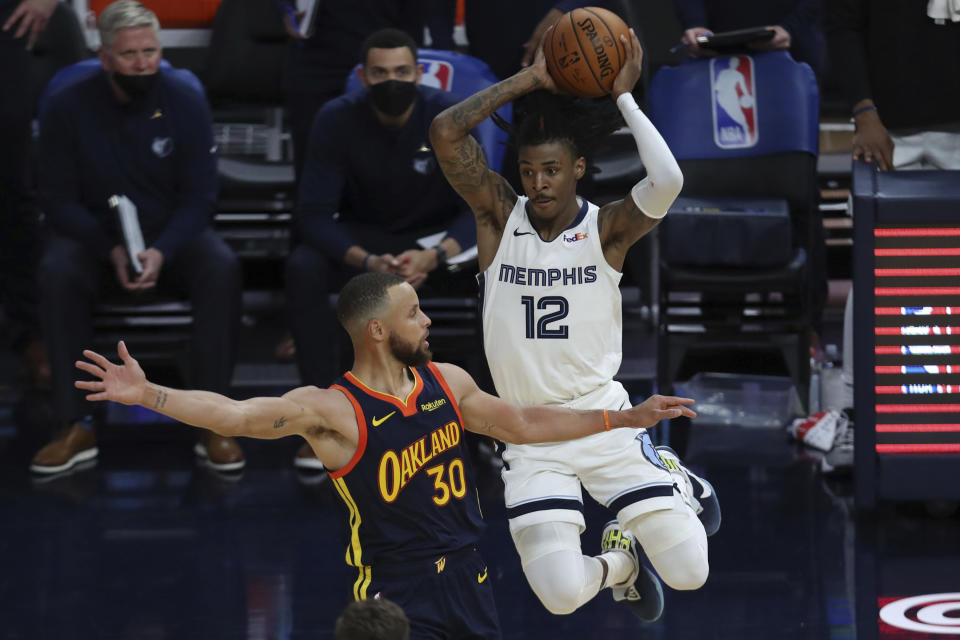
619	567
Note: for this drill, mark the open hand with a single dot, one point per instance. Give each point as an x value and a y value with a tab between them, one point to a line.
539	67
124	383
656	408
32	16
631	69
537	37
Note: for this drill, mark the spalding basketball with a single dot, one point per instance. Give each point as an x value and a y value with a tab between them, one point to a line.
584	52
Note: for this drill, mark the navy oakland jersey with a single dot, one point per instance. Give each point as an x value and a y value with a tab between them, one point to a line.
409	487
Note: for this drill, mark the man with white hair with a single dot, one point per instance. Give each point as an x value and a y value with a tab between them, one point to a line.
138	130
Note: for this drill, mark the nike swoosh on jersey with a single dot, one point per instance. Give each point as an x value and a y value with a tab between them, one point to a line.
481	577
379	421
517	232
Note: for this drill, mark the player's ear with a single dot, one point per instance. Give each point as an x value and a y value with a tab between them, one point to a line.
362	74
419	74
580	167
376	330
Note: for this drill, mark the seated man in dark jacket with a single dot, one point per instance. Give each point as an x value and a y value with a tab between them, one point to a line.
371	188
138	131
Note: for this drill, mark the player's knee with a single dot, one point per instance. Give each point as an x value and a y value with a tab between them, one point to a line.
687	576
558	597
676	545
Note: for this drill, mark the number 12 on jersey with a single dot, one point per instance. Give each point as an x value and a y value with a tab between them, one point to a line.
557	307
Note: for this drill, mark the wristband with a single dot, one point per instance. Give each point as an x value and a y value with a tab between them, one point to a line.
366	261
863	109
606	420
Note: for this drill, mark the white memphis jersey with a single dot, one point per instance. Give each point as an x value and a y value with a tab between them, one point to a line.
552	312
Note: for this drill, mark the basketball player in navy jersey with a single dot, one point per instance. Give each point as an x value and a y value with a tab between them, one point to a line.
391	432
550	267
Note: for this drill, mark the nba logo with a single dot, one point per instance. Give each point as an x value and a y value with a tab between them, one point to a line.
437	74
733	93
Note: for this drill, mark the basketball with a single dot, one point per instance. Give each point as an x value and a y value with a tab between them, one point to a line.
584	52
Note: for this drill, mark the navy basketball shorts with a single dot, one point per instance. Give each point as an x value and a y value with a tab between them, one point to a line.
445	598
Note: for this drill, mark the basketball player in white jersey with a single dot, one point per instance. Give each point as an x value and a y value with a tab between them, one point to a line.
550	264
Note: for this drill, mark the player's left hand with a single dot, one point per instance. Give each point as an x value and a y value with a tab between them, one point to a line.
656	408
632	68
33	16
152	261
780	40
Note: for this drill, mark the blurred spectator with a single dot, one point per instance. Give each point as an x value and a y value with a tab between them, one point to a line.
23	22
141	132
371	188
372	619
796	24
900	67
318	65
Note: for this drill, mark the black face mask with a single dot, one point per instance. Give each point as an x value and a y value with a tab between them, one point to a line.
135	86
392	97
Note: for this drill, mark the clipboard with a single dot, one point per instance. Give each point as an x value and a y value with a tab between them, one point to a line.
130	229
310	8
737	38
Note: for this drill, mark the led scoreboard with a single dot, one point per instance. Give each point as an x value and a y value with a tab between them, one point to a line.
906	334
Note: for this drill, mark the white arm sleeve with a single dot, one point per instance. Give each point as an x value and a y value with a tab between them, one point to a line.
655	193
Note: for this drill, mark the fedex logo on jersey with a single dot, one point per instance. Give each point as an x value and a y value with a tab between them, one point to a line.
437	74
575	237
733	93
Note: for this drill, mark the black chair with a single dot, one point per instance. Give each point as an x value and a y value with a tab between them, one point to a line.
734	267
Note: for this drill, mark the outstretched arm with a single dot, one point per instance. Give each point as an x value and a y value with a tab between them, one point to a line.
490	196
491	416
624	222
292	414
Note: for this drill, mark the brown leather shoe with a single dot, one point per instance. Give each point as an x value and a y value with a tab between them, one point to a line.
220	452
70	446
307	459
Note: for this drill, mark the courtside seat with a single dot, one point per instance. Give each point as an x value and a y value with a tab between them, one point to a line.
733	276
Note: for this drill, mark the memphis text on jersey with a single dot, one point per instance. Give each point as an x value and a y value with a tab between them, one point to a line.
547	277
397	469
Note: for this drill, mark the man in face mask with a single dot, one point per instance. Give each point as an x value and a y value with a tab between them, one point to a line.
139	130
371	188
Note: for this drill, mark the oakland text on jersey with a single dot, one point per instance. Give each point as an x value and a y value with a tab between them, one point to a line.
396	470
547	277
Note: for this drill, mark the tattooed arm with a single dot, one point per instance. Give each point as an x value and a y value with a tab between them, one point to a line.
489	195
323	416
491	416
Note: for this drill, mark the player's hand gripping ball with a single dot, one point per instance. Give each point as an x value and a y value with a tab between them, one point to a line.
584	52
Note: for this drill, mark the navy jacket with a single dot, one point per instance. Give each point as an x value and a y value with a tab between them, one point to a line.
159	152
370	175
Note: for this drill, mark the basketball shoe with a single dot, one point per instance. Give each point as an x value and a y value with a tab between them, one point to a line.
641	591
699	493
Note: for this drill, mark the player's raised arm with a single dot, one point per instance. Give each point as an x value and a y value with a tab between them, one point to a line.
462	160
256	418
490	416
624	222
